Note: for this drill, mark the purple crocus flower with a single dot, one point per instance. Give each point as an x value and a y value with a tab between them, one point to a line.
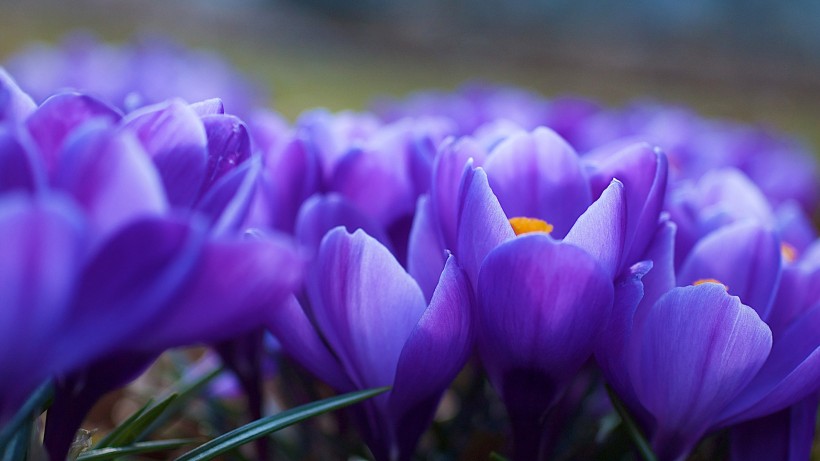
659	333
364	323
143	72
121	242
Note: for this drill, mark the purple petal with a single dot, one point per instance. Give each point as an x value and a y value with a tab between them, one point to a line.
795	227
426	253
745	257
174	136
59	116
377	182
18	166
643	171
444	332
791	373
228	146
786	435
291	175
321	213
207	107
601	230
228	201
126	283
15	104
661	278
109	175
42	250
482	224
679	356
448	169
234	284
365	305
541	305
538	175
299	338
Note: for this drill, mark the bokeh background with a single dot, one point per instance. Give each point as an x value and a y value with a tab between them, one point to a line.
752	60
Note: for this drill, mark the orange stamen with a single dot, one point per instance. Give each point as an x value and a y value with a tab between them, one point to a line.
523	225
789	252
702	281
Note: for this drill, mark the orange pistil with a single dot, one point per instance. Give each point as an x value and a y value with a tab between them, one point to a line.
702	281
789	252
523	225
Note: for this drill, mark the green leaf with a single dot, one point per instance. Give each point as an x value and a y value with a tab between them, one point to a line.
99	454
184	394
18	446
39	400
496	457
265	426
631	427
130	430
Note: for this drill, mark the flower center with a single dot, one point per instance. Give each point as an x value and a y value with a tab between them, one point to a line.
789	252
702	281
522	225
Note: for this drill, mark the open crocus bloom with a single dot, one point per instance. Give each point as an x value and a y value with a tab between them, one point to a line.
120	241
365	323
750	372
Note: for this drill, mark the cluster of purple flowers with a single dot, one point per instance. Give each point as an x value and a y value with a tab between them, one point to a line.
549	241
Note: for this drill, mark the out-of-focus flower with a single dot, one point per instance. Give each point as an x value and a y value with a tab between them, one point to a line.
121	240
143	72
782	167
364	323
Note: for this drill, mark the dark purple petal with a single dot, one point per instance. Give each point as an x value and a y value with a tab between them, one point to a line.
108	173
482	224
661	278
541	305
791	373
643	171
126	284
227	203
19	167
59	116
15	104
444	332
448	169
173	135
601	230
679	356
786	435
377	182
233	285
795	227
538	175
365	305
229	145
611	344
42	249
299	338
745	257
426	253
290	176
321	213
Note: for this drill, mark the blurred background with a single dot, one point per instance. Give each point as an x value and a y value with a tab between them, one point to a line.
753	60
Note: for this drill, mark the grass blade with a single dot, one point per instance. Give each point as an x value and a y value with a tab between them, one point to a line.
631	427
265	426
38	401
184	394
129	431
100	454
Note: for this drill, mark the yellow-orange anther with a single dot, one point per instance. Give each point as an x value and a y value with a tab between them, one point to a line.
702	281
527	225
789	252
